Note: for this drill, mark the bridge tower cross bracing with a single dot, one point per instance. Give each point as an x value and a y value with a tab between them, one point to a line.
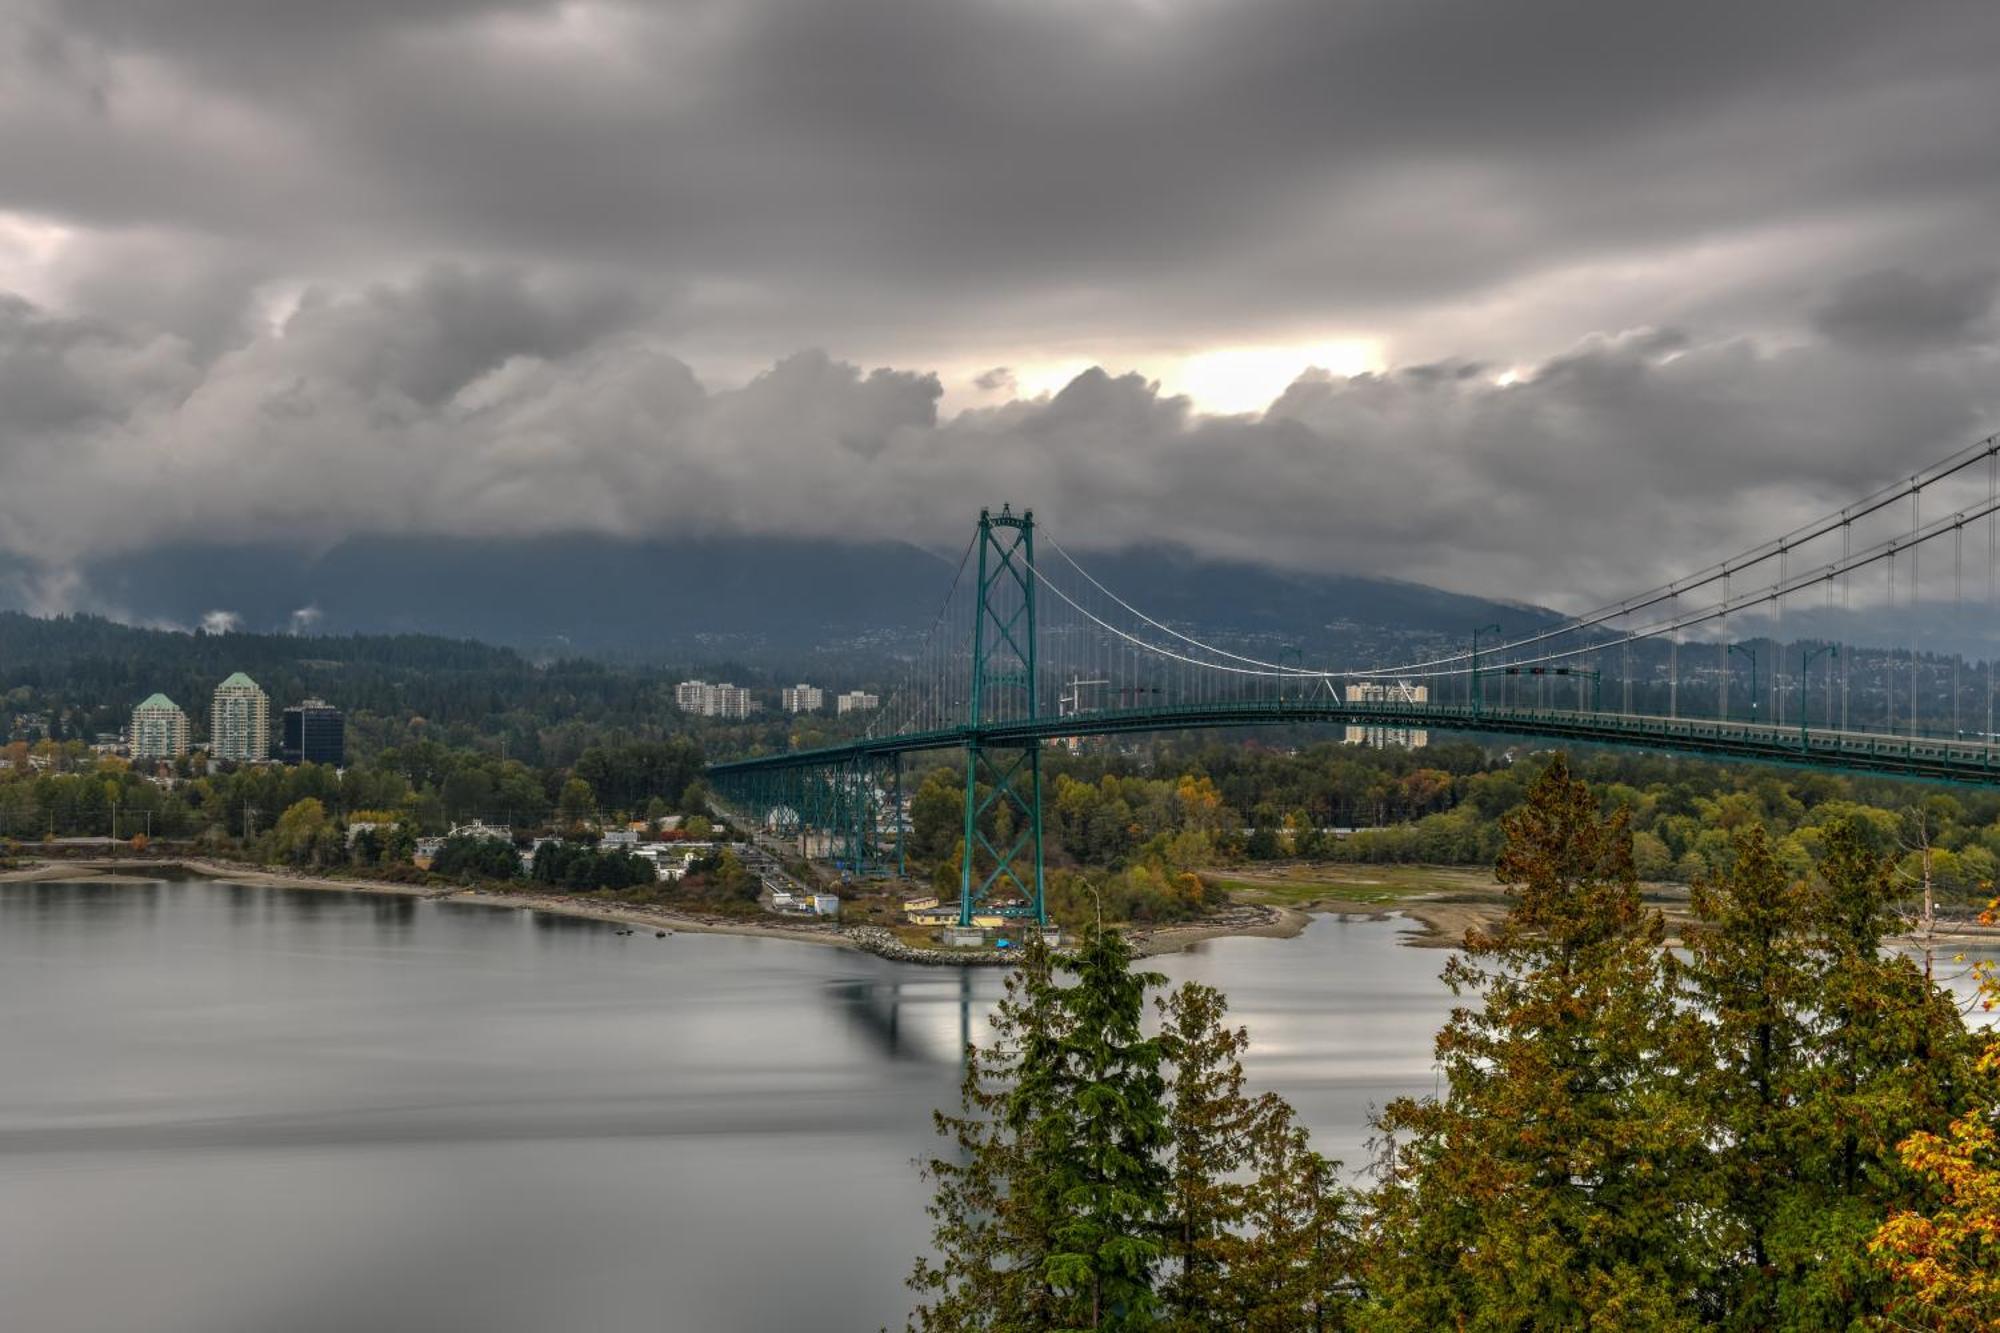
1005	686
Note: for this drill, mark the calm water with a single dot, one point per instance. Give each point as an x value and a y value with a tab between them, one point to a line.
243	1109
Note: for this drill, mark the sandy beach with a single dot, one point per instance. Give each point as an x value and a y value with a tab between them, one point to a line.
100	870
1240	919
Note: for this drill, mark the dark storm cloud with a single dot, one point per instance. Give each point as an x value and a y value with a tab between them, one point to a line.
369	414
431	339
312	270
1895	310
893	170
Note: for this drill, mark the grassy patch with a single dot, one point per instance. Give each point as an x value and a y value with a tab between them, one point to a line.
917	937
1299	884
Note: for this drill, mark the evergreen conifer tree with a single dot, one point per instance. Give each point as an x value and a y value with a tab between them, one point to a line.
1752	978
1291	1265
993	1207
1211	1119
1047	1215
1891	1058
1548	1186
1101	1140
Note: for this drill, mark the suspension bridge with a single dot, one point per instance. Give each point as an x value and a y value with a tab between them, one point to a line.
1848	642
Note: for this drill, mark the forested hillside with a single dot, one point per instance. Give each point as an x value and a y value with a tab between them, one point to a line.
72	677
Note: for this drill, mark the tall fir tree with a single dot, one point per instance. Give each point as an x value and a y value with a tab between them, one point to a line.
1549	1185
993	1208
1751	975
1100	1142
1292	1263
1046	1215
1211	1121
1891	1058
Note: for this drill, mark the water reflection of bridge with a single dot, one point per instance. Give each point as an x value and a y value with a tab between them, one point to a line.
928	1017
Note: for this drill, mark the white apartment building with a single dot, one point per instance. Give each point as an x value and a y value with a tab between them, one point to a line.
856	701
239	720
1388	692
706	700
803	698
159	729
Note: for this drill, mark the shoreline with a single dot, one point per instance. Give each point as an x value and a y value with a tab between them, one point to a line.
101	870
1442	923
1435	923
1244	919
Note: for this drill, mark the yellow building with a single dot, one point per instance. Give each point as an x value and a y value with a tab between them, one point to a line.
928	912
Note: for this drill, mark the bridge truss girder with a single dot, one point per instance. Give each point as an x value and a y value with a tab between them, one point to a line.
852	799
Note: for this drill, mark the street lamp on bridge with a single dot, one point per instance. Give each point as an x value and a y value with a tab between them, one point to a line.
1807	656
1476	692
1750	653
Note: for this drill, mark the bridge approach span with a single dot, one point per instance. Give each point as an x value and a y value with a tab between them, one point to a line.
1925	757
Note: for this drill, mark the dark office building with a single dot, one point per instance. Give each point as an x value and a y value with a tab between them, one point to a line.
315	733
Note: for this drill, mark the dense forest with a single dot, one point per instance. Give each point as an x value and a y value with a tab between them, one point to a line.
1143	831
1787	1126
77	677
427	786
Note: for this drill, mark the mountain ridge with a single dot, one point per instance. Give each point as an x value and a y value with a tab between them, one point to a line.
687	599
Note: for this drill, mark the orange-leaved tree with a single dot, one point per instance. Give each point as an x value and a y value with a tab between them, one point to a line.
1946	1261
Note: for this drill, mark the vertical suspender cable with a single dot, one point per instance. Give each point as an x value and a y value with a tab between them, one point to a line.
1957	613
1846	607
1916	598
1724	665
1777	647
1674	660
1889	658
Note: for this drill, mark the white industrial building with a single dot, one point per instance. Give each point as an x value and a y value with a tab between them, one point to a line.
1387	693
706	700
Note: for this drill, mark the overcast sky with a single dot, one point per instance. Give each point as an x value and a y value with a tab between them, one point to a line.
1534	299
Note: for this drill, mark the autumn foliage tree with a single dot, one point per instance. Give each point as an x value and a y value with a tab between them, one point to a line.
1549	1184
1890	1058
1783	1125
1943	1257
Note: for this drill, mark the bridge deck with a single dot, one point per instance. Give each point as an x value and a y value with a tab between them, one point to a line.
1937	758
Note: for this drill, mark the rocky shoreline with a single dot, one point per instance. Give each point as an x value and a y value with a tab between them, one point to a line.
881	942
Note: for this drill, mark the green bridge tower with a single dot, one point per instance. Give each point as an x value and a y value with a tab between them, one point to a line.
1003	822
